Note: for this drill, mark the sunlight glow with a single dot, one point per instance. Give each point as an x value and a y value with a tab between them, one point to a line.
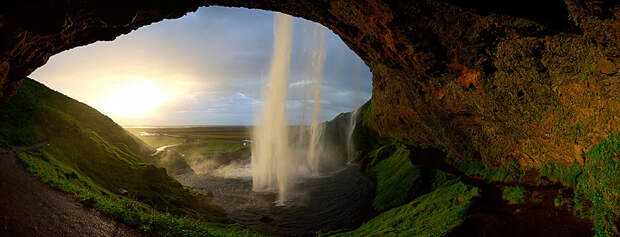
135	99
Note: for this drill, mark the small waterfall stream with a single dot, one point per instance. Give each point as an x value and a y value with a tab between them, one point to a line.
351	154
316	129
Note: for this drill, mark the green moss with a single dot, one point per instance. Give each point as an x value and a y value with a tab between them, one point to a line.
509	172
432	214
596	185
398	180
395	176
597	194
564	173
514	194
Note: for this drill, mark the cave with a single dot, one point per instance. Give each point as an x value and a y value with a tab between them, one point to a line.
491	90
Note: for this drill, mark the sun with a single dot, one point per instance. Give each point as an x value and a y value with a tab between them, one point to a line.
137	98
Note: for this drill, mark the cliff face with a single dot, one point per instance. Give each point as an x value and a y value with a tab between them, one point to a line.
526	82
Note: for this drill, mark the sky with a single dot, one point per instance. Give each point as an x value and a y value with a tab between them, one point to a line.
206	68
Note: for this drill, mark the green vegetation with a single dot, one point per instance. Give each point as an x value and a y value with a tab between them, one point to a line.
212	145
396	176
510	172
91	157
566	174
211	132
131	212
219	151
597	193
398	180
596	185
432	214
514	194
195	145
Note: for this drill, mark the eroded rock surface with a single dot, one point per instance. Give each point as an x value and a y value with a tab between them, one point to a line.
502	81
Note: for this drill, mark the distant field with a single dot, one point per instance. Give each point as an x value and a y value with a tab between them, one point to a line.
198	144
158	141
207	132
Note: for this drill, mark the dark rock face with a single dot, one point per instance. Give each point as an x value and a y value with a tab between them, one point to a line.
502	81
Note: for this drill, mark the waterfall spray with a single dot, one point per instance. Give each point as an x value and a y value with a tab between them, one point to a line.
351	154
316	130
270	153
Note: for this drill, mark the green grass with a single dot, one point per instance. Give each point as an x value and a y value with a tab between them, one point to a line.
92	157
131	212
395	176
213	149
514	194
432	214
211	145
398	180
209	132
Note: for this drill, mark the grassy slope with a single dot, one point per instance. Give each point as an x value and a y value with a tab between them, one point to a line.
432	214
398	180
413	201
395	176
93	158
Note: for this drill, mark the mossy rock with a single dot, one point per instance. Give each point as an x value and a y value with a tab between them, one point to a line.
514	194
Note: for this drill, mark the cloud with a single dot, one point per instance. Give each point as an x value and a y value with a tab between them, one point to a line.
219	58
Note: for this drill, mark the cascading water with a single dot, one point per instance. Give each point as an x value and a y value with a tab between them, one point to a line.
270	152
351	154
304	164
275	164
316	129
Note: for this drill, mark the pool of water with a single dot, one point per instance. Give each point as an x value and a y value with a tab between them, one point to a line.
339	200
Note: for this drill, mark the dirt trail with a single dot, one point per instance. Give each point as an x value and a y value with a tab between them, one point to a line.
29	207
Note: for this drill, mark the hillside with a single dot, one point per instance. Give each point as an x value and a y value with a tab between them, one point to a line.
103	166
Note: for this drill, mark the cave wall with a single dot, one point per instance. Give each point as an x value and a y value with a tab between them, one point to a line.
499	81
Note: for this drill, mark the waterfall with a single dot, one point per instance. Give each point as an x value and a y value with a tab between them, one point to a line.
316	130
270	152
276	163
351	153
